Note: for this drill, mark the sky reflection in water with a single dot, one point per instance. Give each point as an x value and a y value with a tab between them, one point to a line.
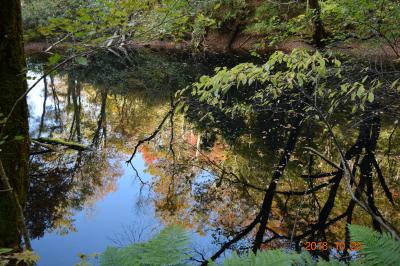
113	220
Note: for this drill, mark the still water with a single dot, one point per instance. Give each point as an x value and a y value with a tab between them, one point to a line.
116	208
205	170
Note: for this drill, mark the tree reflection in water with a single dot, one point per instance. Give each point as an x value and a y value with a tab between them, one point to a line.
240	180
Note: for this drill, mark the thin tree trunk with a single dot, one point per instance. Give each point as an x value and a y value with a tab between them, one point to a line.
269	195
14	154
41	126
101	122
318	27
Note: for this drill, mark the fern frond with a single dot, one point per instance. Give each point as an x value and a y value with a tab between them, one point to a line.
169	247
303	258
377	249
110	257
277	257
236	260
322	262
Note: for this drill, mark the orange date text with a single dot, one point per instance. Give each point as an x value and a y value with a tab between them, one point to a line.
340	246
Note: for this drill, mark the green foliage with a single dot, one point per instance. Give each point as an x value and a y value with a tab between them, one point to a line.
275	257
278	257
102	21
54	59
300	75
278	24
38	13
26	256
279	75
200	25
364	19
377	249
169	247
225	11
5	250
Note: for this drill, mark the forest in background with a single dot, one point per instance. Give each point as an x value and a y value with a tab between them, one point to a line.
265	24
338	71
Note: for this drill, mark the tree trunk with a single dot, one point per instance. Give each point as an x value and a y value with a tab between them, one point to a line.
265	210
318	27
14	154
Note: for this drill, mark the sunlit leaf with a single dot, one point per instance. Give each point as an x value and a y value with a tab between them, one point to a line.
54	59
371	97
82	60
5	250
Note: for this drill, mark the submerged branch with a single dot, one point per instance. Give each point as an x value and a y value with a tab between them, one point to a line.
382	180
155	132
323	157
308	191
320	175
239	236
69	144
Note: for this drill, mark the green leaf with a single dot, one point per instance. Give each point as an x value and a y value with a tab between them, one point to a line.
371	97
337	63
5	250
54	59
82	60
364	79
360	91
394	83
186	108
19	137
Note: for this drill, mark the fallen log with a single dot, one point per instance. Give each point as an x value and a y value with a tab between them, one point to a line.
69	144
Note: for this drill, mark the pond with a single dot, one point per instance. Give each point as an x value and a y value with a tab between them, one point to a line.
83	202
210	173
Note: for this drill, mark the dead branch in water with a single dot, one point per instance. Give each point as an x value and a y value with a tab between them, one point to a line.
68	144
155	132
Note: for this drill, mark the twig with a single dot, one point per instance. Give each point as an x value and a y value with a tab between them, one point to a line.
382	180
154	134
239	236
137	175
323	157
320	175
57	42
308	191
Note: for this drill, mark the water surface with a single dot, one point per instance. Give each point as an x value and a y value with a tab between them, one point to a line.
205	170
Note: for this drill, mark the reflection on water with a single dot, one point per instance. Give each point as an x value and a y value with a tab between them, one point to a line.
82	202
208	170
98	223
